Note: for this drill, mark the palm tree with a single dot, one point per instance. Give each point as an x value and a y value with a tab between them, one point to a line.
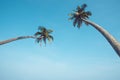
42	34
80	15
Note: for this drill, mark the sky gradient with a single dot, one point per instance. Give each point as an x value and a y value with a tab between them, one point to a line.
75	54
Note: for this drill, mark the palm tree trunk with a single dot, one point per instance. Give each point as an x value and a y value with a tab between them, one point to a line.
114	43
14	39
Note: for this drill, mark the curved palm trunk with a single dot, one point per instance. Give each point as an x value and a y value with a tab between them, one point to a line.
14	39
114	43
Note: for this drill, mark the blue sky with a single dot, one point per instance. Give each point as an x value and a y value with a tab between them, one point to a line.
75	54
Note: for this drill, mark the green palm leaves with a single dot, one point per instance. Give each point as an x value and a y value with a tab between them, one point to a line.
43	34
79	14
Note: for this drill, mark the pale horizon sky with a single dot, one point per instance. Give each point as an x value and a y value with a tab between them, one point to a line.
75	54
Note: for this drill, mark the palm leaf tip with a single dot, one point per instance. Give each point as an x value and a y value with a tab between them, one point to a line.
70	15
89	13
50	38
84	5
78	8
50	30
44	39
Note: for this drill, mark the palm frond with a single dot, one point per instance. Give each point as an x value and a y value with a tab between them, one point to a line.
44	39
78	8
88	13
50	38
79	23
37	33
41	28
71	16
38	40
49	30
83	7
75	22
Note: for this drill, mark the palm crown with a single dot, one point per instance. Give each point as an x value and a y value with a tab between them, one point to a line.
79	14
43	34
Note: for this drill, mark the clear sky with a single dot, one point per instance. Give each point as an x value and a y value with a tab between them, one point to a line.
75	54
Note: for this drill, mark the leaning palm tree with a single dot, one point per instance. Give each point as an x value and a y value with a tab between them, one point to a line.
80	15
43	34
